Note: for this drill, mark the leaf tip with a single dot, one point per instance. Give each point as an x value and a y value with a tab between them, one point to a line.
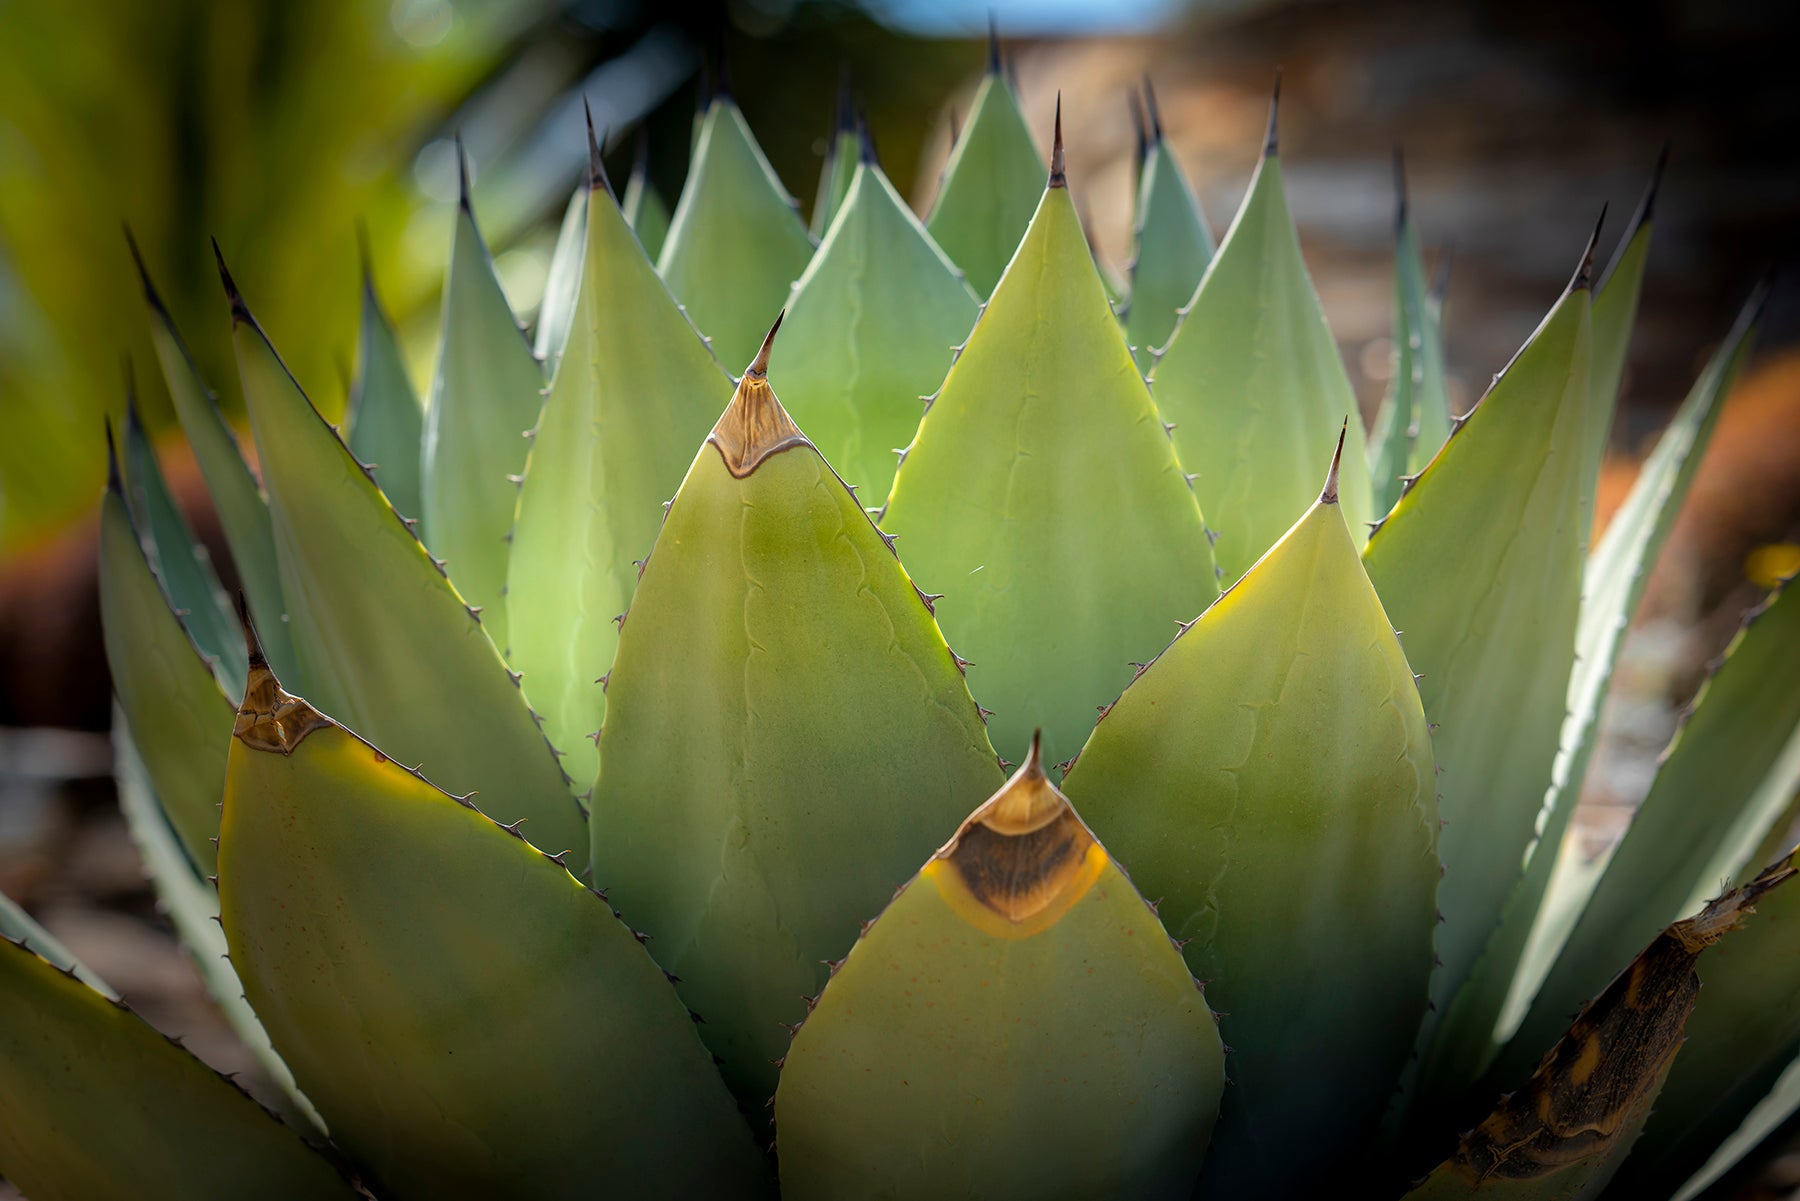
1152	113
240	312
1329	494
993	58
1058	175
1584	272
596	172
1271	139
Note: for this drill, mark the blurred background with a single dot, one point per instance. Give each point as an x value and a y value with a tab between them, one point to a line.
280	127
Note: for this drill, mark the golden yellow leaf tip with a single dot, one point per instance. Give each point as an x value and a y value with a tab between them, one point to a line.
754	425
1058	177
1329	494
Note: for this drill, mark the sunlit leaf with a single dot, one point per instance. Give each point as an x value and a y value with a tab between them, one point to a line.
990	187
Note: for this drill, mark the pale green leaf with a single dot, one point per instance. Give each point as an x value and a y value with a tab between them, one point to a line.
990	187
1043	497
562	283
842	154
1171	247
385	422
646	211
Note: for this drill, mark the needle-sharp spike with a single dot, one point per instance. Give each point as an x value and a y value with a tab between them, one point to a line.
1646	210
760	364
993	59
1329	494
462	175
1271	142
865	138
240	312
114	481
596	164
1139	128
1058	177
1584	273
1399	191
1152	113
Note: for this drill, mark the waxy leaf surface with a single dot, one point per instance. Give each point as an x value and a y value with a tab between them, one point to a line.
1172	245
1255	388
562	283
736	242
990	187
1043	498
1414	421
636	392
471	1020
1015	1024
385	421
786	737
869	331
1269	779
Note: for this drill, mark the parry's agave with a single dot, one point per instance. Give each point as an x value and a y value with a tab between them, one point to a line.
546	866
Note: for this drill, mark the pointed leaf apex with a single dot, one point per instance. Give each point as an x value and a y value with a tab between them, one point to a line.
754	425
270	718
1271	142
1058	177
759	366
1152	112
640	156
1139	127
150	296
1584	273
240	312
596	164
462	176
114	480
993	59
1329	494
1399	191
866	139
365	258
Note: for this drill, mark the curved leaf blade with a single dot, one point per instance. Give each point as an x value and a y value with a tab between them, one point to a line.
1009	499
1172	247
386	932
932	1065
1269	779
743	817
385	422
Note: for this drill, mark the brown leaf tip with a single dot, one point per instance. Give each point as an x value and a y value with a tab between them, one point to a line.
754	425
1152	113
1329	494
596	173
1271	140
1058	175
270	718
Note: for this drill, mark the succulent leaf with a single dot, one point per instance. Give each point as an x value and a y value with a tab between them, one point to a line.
1565	1133
1744	1032
736	242
1479	566
1269	779
179	561
470	1019
1012	499
191	904
842	155
646	211
486	394
379	629
562	283
786	737
1015	1024
164	683
385	421
236	495
1172	246
1521	950
1615	316
18	927
990	187
1705	813
870	329
1414	420
1255	387
94	1103
636	393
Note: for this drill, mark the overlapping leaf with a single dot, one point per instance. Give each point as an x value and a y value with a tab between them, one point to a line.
990	187
1014	1025
645	210
382	627
870	330
1414	421
1269	779
1255	388
562	283
636	392
1043	498
787	736
385	422
485	396
736	242
1172	246
471	1020
842	154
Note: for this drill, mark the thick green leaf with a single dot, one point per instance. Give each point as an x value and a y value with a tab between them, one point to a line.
990	187
1414	421
646	211
1269	779
379	626
842	154
562	283
1042	495
636	393
471	1020
787	735
486	395
1172	245
236	496
1615	315
1565	1133
1698	822
1751	1141
95	1105
1014	1025
1521	950
1479	566
191	905
180	561
1744	1032
17	926
736	243
871	329
386	425
164	685
1254	385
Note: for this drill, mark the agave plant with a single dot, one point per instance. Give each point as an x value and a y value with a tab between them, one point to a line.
604	812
